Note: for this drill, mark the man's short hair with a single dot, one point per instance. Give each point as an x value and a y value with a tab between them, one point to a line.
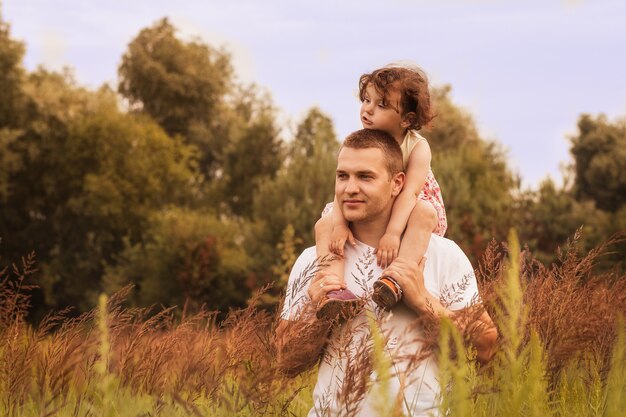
372	138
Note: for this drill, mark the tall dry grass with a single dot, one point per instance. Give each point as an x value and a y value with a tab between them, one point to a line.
573	311
561	352
561	346
129	361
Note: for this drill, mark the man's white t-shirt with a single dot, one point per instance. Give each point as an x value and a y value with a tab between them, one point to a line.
448	275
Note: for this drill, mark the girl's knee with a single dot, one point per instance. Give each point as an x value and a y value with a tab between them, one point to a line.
424	216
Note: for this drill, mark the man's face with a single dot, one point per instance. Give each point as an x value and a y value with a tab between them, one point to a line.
363	186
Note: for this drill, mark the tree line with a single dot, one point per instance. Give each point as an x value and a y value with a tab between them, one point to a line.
180	181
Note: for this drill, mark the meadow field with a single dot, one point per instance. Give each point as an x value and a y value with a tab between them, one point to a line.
561	352
175	179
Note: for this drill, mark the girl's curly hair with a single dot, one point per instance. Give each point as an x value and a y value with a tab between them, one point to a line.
412	83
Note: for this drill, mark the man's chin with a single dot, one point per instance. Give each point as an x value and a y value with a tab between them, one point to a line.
353	217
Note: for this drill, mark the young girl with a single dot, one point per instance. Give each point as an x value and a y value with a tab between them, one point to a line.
394	99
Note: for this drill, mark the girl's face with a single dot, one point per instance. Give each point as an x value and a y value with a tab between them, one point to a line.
383	114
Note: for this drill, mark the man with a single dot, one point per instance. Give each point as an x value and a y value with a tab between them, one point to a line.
369	177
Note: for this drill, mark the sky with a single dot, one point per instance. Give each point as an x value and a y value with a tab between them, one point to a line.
524	70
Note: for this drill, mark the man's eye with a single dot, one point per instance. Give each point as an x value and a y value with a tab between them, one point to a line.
341	176
365	177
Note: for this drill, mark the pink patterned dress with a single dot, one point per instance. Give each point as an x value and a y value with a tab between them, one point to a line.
431	192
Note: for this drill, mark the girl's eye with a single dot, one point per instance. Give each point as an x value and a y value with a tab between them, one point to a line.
382	105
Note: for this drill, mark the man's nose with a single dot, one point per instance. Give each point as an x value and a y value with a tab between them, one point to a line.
352	186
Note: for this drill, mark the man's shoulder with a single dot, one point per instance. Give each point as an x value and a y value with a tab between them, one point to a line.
310	251
447	256
307	258
441	246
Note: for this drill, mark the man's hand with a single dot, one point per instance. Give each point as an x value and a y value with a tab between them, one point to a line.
299	343
322	283
387	250
341	233
410	276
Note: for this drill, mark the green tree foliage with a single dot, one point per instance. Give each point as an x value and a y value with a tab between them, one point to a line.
453	127
550	216
593	198
303	185
193	196
292	200
188	257
11	105
189	89
182	86
599	152
9	161
39	186
91	176
475	181
11	78
177	83
252	150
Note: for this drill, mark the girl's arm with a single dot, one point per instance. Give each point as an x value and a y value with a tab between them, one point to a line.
341	232
416	173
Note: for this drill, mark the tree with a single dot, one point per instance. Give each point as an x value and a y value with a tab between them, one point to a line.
296	196
550	216
305	183
181	85
475	180
91	176
253	151
11	78
599	152
51	102
186	256
175	82
453	127
189	89
11	105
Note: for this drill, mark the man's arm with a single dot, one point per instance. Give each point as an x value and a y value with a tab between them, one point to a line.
410	275
300	341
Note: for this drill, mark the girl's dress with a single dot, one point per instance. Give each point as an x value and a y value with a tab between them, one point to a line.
431	192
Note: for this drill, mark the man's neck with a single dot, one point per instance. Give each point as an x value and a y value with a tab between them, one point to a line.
369	232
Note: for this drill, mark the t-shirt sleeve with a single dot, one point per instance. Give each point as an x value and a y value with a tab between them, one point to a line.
296	295
459	289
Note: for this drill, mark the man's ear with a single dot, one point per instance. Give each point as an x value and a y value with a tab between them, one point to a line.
397	183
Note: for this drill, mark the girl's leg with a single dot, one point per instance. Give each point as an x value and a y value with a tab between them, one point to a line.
333	263
421	224
339	305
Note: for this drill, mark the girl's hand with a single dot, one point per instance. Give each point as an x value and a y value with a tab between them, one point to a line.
338	239
387	251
